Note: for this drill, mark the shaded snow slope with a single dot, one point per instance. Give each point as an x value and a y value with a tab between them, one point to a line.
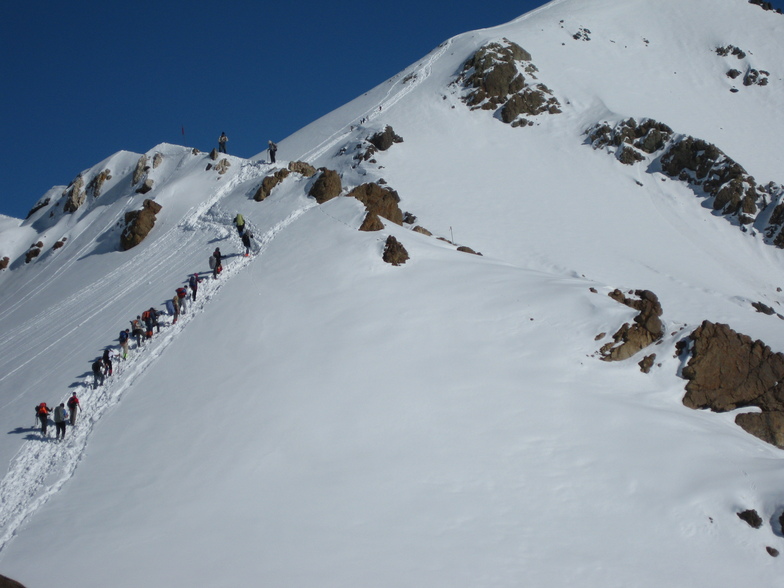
321	418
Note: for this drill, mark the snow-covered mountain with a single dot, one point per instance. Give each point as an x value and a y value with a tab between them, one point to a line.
320	417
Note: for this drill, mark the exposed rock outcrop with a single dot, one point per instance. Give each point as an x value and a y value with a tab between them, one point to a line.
138	224
751	517
327	186
383	140
60	243
34	251
145	187
394	252
765	5
38	207
222	166
302	168
141	169
214	154
379	200
4	263
74	195
95	187
647	327
701	165
371	223
728	370
269	183
6	582
494	78
157	159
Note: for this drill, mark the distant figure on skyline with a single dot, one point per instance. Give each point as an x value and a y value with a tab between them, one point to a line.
222	140
273	149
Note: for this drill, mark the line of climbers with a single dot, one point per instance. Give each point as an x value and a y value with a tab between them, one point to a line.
142	328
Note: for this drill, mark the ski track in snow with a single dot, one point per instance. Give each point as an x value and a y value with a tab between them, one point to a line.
396	92
43	465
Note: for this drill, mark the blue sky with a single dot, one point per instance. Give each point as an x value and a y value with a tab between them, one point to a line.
85	79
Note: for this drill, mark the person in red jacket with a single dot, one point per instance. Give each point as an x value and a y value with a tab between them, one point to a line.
42	412
73	406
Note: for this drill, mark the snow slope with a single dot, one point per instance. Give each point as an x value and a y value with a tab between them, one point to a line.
321	418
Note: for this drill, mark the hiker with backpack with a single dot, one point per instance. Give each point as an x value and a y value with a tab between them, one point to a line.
193	284
175	307
60	417
155	322
273	149
42	412
124	337
182	295
73	406
215	263
98	375
148	324
239	221
137	331
246	237
222	140
107	361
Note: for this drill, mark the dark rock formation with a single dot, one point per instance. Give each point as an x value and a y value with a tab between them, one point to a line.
38	207
371	223
465	249
327	186
60	243
422	230
751	517
756	77
731	50
145	187
772	551
733	73
268	183
383	140
302	168
647	327
4	263
74	195
494	77
34	251
138	224
763	308
95	186
394	252
9	583
214	154
379	200
647	363
765	5
728	370
701	165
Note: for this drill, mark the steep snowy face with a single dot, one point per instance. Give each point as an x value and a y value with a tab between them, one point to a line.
319	415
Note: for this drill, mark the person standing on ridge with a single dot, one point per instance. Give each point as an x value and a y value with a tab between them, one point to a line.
98	372
60	416
273	149
222	140
239	220
193	282
42	412
73	406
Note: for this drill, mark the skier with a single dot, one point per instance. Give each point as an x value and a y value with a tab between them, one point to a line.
246	237
73	405
239	220
124	337
273	149
182	294
136	330
97	372
60	416
42	412
222	140
193	283
107	361
176	306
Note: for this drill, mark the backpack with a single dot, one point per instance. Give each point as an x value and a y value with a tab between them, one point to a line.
123	336
181	292
42	409
72	402
146	315
212	262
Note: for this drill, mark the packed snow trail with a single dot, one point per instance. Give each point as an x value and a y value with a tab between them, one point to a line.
42	466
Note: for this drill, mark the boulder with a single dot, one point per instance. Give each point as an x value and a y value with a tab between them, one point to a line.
214	154
222	166
268	183
145	187
383	140
327	186
95	187
6	582
379	200
728	370
647	363
751	517
371	223
34	251
422	230
157	159
4	263
302	168
465	249
647	327
138	224
394	252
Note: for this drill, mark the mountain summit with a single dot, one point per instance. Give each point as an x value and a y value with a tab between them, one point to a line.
483	303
